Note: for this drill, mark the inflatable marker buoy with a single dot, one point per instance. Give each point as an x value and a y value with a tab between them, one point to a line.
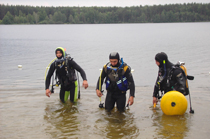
132	70
19	66
173	103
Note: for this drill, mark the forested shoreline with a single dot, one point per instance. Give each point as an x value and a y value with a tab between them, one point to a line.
190	12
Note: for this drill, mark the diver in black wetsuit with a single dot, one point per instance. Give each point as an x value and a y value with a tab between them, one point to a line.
118	80
169	77
65	71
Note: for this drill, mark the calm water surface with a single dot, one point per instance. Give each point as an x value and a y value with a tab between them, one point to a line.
25	111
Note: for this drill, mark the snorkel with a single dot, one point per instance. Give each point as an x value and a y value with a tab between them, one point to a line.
121	63
164	65
163	77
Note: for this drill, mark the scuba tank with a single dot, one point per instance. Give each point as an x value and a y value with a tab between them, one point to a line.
187	77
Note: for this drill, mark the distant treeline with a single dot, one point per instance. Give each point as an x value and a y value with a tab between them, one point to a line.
191	12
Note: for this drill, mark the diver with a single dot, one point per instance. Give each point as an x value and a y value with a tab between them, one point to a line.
170	77
118	79
65	72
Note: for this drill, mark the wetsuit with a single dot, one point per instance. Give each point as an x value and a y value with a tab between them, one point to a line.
67	83
169	77
114	94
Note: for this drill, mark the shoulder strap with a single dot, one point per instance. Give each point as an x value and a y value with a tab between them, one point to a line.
169	75
67	59
125	68
105	67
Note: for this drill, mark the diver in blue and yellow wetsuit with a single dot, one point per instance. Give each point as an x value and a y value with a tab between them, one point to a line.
118	80
65	72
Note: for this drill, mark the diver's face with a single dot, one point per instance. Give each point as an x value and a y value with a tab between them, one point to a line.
157	63
58	54
113	62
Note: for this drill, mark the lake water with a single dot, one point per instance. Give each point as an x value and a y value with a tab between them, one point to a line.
25	111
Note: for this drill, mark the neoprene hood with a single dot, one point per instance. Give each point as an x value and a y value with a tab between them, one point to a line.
61	50
114	55
160	57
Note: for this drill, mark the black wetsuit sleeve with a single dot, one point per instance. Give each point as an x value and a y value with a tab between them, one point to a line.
103	75
179	80
156	88
129	77
78	68
49	75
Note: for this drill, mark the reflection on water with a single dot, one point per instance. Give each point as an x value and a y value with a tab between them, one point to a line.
62	119
33	115
170	127
117	125
69	121
85	120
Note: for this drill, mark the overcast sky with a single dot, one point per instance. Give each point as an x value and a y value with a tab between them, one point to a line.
88	3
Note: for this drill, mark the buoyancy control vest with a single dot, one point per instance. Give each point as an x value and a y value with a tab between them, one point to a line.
115	77
69	75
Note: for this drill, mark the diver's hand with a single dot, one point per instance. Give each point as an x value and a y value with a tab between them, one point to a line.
155	100
131	100
99	94
48	92
85	84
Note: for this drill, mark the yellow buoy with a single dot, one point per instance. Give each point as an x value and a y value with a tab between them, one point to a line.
173	103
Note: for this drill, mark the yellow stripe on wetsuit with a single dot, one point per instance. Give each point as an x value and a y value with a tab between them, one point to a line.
67	93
